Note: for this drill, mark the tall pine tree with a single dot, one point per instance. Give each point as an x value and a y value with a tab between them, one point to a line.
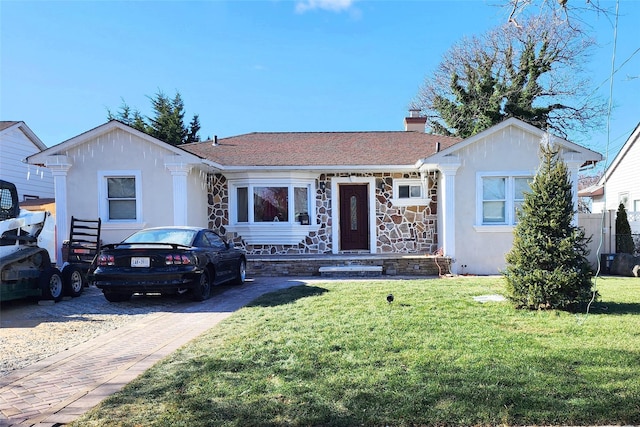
547	266
194	129
167	123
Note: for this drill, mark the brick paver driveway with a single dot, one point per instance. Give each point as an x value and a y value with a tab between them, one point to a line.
58	389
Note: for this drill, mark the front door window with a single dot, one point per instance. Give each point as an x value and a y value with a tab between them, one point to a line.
354	213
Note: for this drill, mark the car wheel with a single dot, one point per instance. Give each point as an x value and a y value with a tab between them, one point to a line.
51	284
73	280
202	291
241	273
117	296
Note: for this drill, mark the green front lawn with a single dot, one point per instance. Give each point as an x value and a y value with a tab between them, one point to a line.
337	354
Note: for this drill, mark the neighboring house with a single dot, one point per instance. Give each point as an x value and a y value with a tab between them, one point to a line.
17	142
620	183
127	178
398	192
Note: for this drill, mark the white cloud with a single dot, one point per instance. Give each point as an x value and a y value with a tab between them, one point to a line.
331	5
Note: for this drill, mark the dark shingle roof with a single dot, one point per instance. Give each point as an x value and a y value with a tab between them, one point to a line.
6	124
321	148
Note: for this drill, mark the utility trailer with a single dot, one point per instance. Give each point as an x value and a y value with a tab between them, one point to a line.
79	252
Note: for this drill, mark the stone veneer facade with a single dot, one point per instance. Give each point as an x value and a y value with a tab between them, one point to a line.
399	229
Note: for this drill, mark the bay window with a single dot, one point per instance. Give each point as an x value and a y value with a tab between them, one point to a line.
270	203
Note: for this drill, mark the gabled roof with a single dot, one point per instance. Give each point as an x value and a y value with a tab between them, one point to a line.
63	147
633	138
591	191
327	149
7	126
580	153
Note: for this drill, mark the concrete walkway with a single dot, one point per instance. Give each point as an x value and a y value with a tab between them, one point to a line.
57	390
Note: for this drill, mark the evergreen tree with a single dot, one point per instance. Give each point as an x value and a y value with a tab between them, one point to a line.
194	129
547	266
476	101
129	117
167	123
624	239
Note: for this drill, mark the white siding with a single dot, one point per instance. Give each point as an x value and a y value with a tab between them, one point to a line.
31	180
625	177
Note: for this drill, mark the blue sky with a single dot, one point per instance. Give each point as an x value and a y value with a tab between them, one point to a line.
252	66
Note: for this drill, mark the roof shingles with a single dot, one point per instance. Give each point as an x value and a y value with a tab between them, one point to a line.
321	148
6	124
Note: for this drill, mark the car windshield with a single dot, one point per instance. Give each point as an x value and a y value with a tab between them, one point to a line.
167	235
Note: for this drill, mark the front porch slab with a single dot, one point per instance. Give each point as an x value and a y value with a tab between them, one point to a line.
378	264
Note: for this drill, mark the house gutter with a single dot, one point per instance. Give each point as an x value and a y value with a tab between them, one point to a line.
212	166
312	168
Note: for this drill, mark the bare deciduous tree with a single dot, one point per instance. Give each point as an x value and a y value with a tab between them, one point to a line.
585	181
532	71
569	12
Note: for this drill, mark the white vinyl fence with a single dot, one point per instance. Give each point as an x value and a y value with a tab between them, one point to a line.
602	229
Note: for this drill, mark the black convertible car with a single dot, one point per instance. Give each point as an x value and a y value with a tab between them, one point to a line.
168	260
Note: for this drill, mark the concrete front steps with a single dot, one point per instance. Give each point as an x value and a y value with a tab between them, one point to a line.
351	271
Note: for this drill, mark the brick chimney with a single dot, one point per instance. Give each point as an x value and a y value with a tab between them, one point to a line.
415	123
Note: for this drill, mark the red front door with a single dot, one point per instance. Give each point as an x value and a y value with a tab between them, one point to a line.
354	217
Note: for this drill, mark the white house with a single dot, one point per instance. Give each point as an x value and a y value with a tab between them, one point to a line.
17	142
620	183
297	193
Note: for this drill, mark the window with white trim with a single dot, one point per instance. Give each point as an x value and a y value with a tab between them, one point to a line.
270	202
521	185
120	196
494	200
409	192
500	197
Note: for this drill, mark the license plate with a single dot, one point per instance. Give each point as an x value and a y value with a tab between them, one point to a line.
140	261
